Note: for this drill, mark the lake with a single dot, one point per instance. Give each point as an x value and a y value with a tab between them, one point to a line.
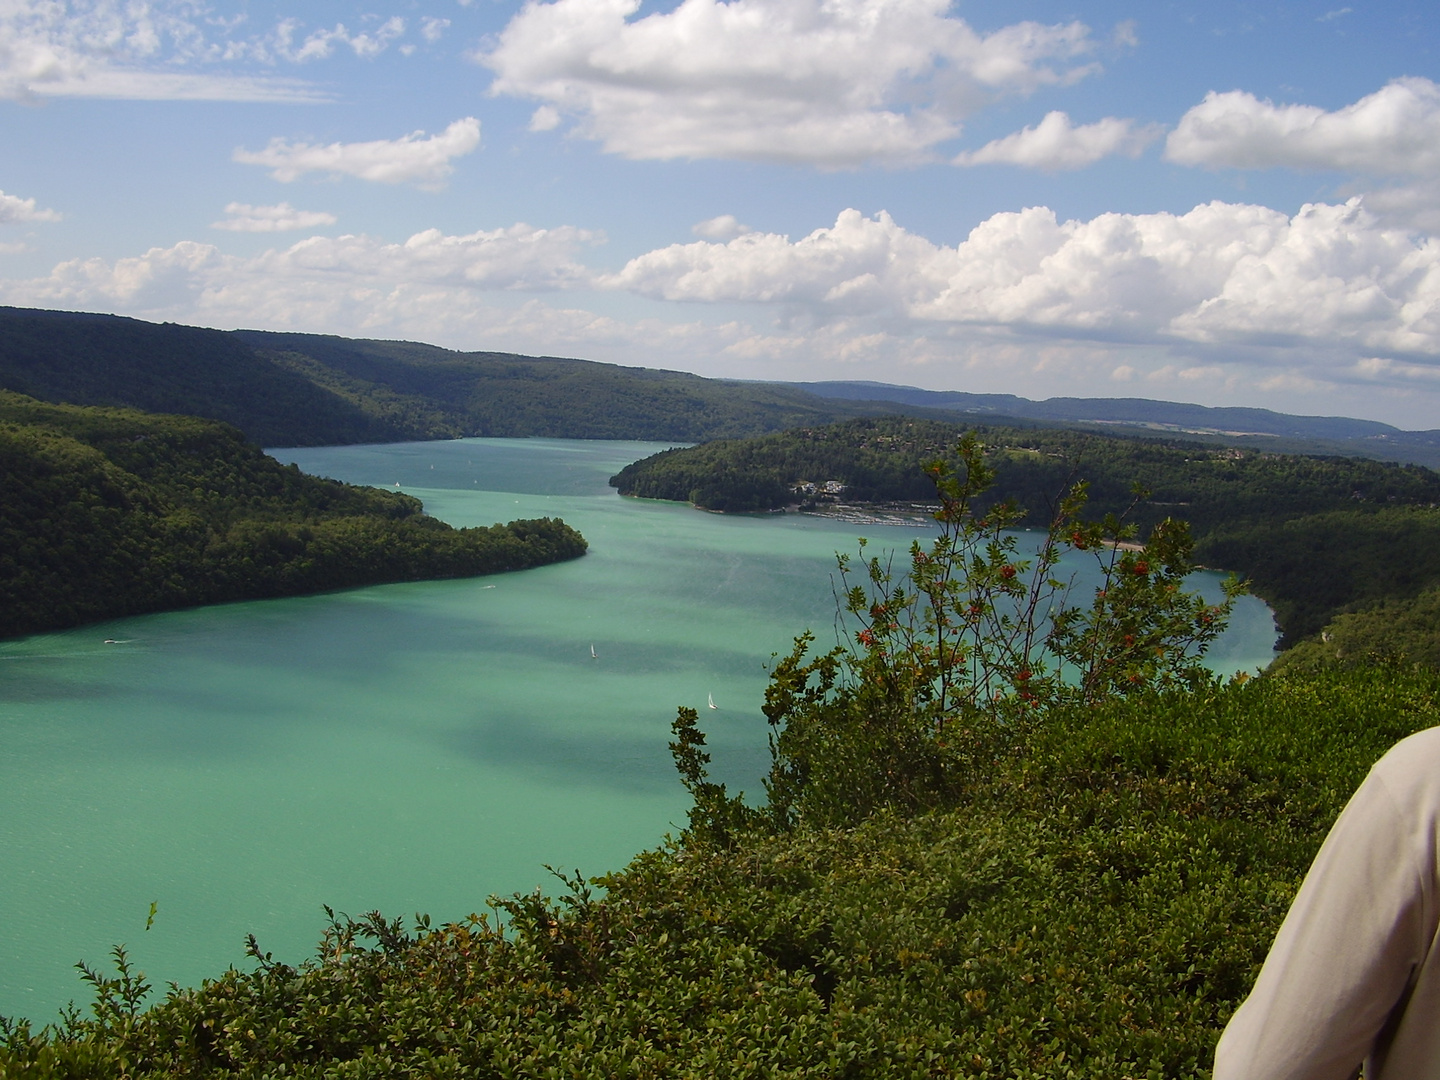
407	748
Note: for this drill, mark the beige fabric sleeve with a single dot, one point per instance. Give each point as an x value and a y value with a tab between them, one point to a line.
1334	987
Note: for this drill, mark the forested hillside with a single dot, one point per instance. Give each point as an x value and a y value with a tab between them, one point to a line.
1315	536
108	512
287	389
1254	429
81	359
1385	632
310	389
424	392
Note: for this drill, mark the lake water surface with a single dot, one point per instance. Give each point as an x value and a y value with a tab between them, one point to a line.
407	748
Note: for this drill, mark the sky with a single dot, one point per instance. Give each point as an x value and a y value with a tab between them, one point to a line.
1222	203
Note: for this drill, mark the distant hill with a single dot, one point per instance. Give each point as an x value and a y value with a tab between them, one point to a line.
285	389
311	389
81	359
1259	429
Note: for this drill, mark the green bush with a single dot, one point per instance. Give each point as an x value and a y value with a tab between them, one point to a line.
958	655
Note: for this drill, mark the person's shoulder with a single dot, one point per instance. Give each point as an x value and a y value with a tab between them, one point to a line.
1422	747
1410	770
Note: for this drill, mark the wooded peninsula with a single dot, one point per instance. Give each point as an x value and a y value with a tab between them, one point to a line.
110	512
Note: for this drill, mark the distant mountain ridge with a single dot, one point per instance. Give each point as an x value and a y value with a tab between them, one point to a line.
1166	416
285	389
293	389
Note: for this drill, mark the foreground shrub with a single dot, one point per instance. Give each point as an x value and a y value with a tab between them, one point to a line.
951	659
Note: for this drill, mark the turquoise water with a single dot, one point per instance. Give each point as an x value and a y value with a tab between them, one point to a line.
404	747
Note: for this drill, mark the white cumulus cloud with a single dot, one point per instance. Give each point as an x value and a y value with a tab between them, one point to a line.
15	210
1222	273
1415	206
242	217
317	278
858	263
160	280
410	159
1383	367
545	118
1393	132
1055	144
724	227
834	83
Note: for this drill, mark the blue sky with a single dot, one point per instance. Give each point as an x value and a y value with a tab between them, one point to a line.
1221	203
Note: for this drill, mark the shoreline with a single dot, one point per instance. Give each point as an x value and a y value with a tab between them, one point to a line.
911	515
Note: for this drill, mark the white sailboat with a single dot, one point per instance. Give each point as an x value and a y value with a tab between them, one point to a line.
712	701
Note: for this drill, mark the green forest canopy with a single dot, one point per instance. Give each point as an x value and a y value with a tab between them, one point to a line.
109	512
